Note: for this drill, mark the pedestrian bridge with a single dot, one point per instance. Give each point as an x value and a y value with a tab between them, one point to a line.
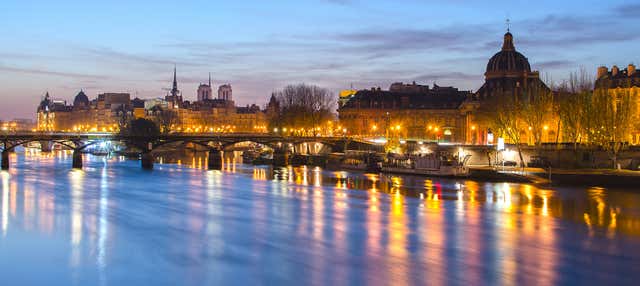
215	143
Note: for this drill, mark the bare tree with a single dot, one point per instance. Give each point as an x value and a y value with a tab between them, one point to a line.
574	106
503	113
303	106
536	105
617	111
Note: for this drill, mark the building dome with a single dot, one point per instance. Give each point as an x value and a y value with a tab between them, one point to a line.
81	100
507	61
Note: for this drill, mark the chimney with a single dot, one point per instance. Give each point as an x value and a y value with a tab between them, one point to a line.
614	71
631	69
602	71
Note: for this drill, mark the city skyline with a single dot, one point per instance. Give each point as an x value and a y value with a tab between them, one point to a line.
62	48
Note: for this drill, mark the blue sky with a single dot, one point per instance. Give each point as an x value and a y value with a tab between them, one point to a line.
259	46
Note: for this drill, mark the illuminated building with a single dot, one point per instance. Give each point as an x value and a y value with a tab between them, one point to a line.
408	111
442	113
102	114
110	110
17	125
509	73
619	82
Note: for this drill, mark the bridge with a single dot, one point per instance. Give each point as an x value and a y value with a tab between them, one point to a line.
214	143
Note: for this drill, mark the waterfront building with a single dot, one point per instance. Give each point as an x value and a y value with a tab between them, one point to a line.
18	124
408	111
445	113
101	114
509	74
619	82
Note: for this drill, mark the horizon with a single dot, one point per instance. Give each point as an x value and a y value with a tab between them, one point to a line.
104	47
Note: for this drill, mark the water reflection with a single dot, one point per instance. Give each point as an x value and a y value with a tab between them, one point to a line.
5	201
246	224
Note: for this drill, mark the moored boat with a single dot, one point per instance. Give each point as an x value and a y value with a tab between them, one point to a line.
428	165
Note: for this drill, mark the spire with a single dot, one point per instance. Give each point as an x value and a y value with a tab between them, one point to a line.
175	82
174	88
507	45
209	79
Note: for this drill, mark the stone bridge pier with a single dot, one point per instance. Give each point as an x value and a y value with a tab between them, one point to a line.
214	161
146	159
76	159
281	157
5	159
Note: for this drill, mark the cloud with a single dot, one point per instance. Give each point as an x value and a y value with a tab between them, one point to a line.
376	43
447	76
140	61
554	64
628	10
553	31
50	73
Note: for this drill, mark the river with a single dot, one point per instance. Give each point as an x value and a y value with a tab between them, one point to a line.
112	223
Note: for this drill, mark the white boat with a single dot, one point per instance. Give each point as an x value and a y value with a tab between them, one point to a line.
429	165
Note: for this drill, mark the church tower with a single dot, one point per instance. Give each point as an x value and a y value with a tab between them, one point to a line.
174	97
204	91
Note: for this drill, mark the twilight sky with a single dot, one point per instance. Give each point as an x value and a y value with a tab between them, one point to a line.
258	46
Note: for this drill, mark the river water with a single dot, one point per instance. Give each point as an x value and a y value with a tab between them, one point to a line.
115	224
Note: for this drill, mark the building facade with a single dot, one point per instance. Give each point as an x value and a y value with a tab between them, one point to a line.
225	92
619	82
109	111
409	111
443	113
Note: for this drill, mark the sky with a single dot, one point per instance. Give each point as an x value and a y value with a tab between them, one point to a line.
261	46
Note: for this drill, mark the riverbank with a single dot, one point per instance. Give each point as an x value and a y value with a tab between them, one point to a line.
558	177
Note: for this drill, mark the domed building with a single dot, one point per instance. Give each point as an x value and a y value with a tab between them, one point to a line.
81	100
508	72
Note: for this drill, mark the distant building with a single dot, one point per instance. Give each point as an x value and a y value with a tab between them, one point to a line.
102	114
109	111
204	91
17	124
174	98
225	92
